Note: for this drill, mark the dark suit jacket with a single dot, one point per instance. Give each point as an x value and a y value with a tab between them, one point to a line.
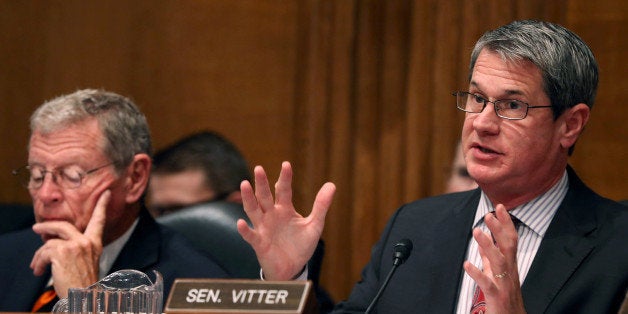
581	265
149	247
15	217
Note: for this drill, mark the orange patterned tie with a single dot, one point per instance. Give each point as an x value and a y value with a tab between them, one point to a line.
44	299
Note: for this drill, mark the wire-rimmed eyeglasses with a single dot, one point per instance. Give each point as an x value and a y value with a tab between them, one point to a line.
510	109
69	177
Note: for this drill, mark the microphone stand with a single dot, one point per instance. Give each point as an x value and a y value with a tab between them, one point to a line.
396	263
401	252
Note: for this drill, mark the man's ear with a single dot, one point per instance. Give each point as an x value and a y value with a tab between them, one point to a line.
138	174
574	120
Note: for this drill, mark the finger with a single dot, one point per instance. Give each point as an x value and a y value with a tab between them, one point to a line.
488	249
262	189
502	214
487	283
322	202
496	277
504	232
42	257
249	202
96	223
56	230
504	219
39	263
508	232
482	277
486	263
484	239
482	280
473	271
283	187
494	226
249	235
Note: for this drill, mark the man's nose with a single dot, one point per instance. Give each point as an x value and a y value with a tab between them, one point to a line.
487	121
49	189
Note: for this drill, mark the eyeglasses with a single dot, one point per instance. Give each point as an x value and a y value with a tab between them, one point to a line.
70	177
510	109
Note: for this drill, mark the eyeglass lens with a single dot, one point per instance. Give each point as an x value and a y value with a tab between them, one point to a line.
504	108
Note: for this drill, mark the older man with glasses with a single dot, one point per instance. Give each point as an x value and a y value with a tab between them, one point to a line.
88	167
533	238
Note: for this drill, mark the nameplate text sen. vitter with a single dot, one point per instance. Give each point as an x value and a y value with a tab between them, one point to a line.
240	296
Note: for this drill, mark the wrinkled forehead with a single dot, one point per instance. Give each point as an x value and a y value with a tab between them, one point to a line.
82	138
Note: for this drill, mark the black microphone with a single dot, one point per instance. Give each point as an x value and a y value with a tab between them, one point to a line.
401	251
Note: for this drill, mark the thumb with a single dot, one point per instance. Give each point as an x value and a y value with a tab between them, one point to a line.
96	223
322	202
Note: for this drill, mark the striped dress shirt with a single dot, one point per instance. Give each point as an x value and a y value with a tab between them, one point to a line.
535	217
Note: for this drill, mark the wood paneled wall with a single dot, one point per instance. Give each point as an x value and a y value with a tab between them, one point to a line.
354	91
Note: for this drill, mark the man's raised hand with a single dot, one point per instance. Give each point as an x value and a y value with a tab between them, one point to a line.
283	240
499	277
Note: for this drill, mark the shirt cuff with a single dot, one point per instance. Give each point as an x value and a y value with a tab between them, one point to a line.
301	276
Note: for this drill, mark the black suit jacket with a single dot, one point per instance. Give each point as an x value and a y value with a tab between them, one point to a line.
150	247
581	265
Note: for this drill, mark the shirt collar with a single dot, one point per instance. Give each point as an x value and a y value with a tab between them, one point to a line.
112	250
537	213
109	253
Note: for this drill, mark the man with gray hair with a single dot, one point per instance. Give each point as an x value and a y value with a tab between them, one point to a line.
88	167
532	238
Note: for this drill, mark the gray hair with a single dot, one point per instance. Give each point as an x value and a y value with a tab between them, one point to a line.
123	125
568	67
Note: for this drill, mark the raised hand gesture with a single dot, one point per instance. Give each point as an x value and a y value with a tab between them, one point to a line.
283	240
499	278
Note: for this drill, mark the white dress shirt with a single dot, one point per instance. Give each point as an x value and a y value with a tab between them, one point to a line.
110	252
535	217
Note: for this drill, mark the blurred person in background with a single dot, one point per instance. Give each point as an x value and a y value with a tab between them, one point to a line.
206	167
199	168
459	179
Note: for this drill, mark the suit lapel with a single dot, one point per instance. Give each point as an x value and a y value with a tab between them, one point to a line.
455	237
569	239
144	242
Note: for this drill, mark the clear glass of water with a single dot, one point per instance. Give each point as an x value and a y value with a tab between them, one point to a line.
125	291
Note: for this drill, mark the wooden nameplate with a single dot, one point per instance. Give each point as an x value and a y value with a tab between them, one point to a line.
240	296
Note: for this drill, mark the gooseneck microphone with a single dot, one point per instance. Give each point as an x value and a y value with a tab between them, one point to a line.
401	251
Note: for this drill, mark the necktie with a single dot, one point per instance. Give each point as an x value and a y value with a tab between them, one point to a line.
46	300
479	302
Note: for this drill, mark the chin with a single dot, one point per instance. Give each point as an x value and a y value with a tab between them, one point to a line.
483	175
